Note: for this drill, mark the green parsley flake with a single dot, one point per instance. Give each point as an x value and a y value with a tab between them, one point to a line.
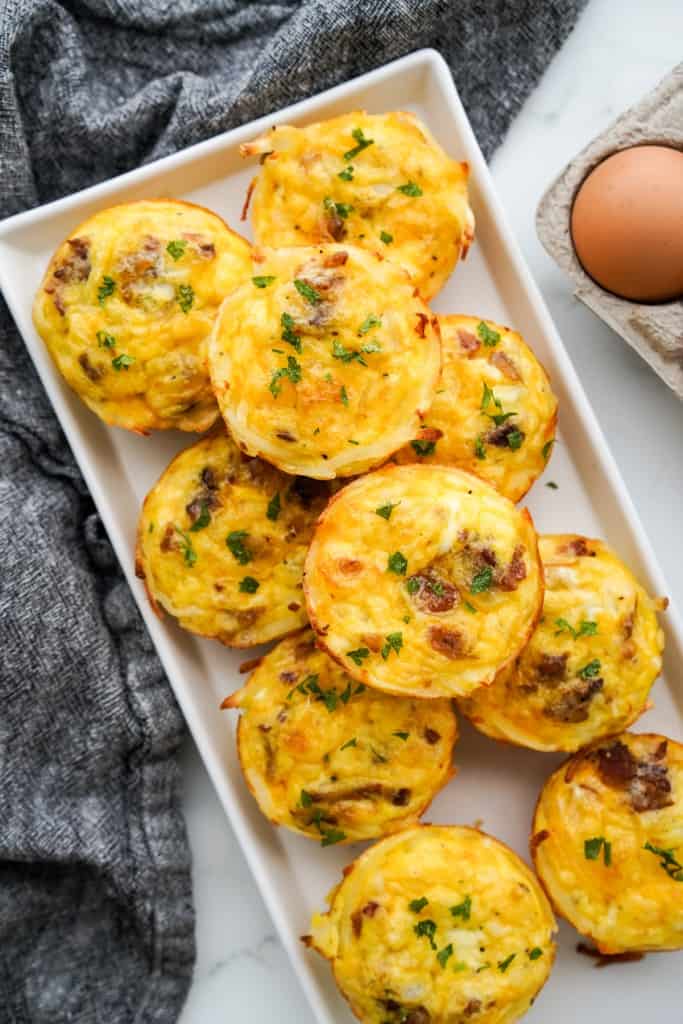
586	628
394	642
552	485
249	585
189	553
330	836
397	563
445	954
292	371
592	847
363	143
482	580
514	438
274	507
423	448
410	189
385	510
122	362
590	670
346	174
379	758
307	292
417	905
344	395
185	296
341	209
487	334
203	519
386	237
401	735
504	964
427	929
176	248
369	322
668	861
535	953
546	449
239	551
348	355
464	909
262	281
488	397
469	607
288	332
349	743
105	340
306	799
107	288
480	447
359	655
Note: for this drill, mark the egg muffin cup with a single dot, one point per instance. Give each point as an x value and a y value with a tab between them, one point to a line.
589	666
332	759
222	540
437	924
607	843
494	413
126	306
379	181
325	360
423	581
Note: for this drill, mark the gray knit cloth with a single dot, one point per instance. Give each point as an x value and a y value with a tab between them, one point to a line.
96	919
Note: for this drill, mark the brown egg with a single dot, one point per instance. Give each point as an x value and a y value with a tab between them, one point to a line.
627	224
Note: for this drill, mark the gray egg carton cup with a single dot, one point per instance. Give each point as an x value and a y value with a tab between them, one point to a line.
655	331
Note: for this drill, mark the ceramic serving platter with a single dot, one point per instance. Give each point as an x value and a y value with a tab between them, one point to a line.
496	786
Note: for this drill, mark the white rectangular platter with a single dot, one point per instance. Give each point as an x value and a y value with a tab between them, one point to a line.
496	785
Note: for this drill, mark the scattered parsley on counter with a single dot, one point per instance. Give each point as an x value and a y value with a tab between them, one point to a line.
547	448
552	485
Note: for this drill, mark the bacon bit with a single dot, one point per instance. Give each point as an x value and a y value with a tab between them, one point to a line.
538	838
607	959
449	642
432	736
429	434
647	782
434	594
247	666
284	435
474	1006
357	923
245	208
289	677
401	797
578	547
469	343
515	572
169	539
265	728
552	666
304	648
334	225
205	250
505	365
661	603
293	606
336	259
422	322
93	373
349	566
248	617
372	640
572	704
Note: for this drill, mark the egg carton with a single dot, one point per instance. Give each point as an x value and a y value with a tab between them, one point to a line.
654	331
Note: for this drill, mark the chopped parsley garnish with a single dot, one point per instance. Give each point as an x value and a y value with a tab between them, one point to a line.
379	758
668	861
189	553
288	333
363	143
586	628
487	335
469	607
552	485
122	362
385	510
463	909
488	397
292	371
185	296
359	655
262	281
417	905
342	209
592	847
107	288
176	248
394	642
535	953
590	670
347	355
547	448
401	735
445	954
239	551
330	836
410	189
386	237
351	441
397	563
346	174
274	507
514	438
504	964
249	585
480	447
307	292
345	695
203	519
306	798
344	395
349	743
424	447
482	580
369	322
427	929
105	340
413	585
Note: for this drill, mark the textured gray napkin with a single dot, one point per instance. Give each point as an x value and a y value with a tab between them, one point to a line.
96	921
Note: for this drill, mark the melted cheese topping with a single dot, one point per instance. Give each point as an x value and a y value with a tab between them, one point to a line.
333	760
423	580
438	924
494	413
325	368
222	540
126	306
626	899
400	195
589	666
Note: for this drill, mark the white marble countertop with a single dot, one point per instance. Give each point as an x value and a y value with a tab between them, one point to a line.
616	54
